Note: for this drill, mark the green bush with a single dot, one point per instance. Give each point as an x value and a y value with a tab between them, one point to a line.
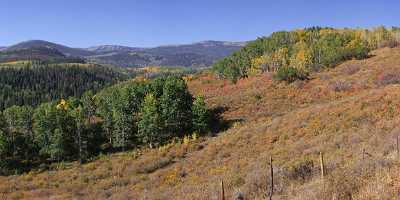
290	74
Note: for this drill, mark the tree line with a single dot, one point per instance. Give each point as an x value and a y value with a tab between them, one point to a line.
293	54
34	82
125	116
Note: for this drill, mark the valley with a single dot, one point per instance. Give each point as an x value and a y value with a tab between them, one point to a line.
166	133
287	122
200	100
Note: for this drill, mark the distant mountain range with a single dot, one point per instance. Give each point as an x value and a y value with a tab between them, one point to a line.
199	54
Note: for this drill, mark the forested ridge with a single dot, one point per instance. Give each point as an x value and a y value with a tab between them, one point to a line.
124	116
294	54
34	82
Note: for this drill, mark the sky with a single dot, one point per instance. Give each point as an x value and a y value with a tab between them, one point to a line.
147	23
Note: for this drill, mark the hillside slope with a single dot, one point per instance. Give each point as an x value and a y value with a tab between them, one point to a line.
339	112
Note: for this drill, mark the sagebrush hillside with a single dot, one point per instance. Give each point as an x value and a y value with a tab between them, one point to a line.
339	112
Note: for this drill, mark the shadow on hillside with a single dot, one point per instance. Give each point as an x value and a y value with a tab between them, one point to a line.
218	123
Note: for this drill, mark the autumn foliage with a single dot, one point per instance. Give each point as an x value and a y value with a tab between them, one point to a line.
303	51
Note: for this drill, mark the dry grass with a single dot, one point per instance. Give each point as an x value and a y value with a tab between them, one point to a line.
293	123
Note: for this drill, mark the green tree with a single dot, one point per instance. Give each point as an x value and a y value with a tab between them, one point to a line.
81	122
150	123
58	147
201	116
19	130
2	122
89	135
105	111
55	131
156	87
4	145
88	108
44	126
176	107
64	136
126	107
19	119
123	120
4	152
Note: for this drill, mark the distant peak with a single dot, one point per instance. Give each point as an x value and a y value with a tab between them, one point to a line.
209	43
36	42
221	43
108	47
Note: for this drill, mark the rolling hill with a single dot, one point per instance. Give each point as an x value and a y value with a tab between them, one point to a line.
350	113
42	53
68	51
201	54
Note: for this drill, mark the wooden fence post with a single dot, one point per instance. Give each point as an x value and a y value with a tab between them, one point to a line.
321	160
397	146
363	153
222	190
272	178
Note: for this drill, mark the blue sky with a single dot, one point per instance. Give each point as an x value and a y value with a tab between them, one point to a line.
144	23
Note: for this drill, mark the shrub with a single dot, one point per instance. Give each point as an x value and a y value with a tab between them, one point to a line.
340	86
290	74
301	170
153	165
342	184
351	69
389	77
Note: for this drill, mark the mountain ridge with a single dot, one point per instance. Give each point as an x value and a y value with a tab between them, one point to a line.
198	54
